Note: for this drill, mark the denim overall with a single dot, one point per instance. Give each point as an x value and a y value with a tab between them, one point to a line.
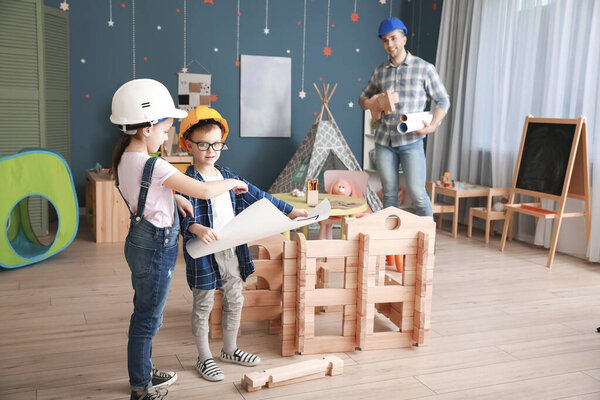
151	253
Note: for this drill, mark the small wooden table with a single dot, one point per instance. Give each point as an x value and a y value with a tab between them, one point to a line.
341	206
459	191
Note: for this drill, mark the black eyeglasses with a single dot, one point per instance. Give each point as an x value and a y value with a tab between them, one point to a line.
216	146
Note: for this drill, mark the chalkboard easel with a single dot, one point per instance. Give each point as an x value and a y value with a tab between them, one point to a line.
553	165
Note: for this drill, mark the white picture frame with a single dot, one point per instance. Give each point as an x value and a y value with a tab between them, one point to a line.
266	96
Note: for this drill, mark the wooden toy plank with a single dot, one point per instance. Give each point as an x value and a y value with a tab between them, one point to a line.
329	344
390	294
388	340
330	297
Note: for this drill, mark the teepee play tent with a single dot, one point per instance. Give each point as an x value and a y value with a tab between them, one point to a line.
323	148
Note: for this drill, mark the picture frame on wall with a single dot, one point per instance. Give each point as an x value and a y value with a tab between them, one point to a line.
266	96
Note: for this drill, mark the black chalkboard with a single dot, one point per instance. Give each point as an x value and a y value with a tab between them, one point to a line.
545	157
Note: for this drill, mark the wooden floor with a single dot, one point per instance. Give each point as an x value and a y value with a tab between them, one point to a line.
503	327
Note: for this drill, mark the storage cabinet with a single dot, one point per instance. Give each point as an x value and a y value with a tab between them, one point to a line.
106	210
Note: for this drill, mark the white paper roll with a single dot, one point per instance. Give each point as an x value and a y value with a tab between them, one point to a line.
412	125
417	115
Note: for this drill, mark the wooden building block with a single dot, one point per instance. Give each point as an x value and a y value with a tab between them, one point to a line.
293	373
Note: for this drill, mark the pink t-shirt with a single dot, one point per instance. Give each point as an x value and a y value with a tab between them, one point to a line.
159	209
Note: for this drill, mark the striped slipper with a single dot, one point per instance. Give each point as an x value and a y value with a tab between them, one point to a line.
209	370
241	357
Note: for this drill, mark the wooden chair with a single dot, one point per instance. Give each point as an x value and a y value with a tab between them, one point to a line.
438	207
488	213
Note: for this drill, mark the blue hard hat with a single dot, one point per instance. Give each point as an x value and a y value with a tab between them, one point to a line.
391	24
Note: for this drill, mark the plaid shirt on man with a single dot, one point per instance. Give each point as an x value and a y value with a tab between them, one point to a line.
203	273
413	80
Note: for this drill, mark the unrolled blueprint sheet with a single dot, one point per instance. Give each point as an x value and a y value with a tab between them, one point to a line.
262	219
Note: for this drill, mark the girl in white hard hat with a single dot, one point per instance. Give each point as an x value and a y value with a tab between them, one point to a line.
144	110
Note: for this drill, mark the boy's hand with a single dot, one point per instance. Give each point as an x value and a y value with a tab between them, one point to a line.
240	187
184	206
298	212
204	233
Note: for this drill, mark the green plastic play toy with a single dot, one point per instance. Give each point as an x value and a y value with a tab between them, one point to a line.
34	172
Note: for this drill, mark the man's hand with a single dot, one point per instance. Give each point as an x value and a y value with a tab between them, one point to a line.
427	128
298	212
204	233
184	206
373	104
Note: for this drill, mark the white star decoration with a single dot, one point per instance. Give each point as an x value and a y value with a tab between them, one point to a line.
184	70
216	50
382	1
64	5
358	50
288	51
111	23
351	104
159	27
82	60
266	31
302	94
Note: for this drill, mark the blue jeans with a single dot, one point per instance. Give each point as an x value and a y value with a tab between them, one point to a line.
151	254
412	158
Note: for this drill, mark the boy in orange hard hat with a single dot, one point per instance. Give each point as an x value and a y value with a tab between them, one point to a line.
203	133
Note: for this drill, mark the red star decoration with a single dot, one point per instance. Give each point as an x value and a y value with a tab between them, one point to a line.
434	5
177	10
359	79
237	63
209	1
122	5
321	78
145	58
333	25
327	51
87	95
239	14
213	97
315	113
299	23
354	17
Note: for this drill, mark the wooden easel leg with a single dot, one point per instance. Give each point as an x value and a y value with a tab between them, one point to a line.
557	223
507	223
487	231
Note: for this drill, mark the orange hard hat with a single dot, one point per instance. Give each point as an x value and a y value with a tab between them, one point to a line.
198	114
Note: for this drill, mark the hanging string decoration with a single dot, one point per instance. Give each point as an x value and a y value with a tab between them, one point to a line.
237	50
111	23
327	49
354	15
184	69
266	31
133	35
302	93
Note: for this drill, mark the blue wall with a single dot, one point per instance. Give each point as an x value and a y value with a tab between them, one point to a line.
107	52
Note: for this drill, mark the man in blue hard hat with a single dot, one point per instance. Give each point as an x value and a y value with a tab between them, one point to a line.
414	80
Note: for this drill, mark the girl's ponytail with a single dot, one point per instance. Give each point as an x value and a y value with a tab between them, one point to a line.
118	152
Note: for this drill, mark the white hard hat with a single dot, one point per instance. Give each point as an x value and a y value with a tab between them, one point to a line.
142	102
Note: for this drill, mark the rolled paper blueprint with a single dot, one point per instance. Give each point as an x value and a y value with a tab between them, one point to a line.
417	115
411	125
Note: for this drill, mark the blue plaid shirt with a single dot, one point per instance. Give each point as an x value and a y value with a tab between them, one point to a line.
203	272
413	80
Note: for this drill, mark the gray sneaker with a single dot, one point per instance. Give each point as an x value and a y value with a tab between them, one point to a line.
150	395
162	379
